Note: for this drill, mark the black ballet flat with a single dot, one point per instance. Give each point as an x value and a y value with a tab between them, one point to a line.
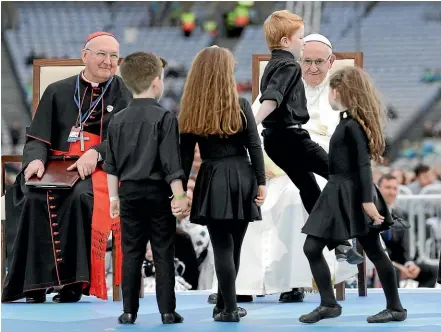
36	296
387	316
127	318
223	316
67	296
172	318
320	313
242	312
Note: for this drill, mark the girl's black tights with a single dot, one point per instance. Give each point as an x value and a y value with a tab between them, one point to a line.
227	238
313	249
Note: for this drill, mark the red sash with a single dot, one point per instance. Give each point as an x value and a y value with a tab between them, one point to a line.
102	224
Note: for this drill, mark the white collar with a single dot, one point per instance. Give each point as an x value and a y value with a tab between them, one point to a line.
94	84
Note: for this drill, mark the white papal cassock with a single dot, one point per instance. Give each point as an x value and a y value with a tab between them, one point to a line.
272	259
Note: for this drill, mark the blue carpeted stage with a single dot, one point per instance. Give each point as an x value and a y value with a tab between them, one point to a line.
92	315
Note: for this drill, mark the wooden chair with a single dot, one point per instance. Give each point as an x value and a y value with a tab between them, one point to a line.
342	59
5	160
45	72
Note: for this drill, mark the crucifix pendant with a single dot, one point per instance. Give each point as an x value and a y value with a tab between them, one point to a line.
82	139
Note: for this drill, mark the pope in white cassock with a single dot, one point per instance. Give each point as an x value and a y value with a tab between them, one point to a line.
272	259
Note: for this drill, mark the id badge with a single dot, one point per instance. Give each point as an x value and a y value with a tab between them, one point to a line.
74	133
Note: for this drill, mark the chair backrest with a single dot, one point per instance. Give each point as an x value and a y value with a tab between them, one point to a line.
47	71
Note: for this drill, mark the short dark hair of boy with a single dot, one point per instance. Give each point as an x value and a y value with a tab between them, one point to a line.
139	69
421	169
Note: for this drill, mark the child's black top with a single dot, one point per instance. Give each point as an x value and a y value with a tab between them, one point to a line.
226	185
143	143
282	82
338	214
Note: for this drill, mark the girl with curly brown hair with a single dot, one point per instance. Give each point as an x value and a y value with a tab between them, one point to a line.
350	205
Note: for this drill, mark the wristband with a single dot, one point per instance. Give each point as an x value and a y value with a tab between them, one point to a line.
114	198
178	197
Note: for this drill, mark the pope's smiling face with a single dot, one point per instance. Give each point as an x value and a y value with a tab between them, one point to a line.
316	62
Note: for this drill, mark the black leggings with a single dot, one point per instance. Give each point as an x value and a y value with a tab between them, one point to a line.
313	249
227	237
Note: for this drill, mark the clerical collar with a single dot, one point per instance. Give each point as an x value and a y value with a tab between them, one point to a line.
93	84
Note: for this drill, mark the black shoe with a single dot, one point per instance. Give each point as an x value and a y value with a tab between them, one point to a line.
296	295
127	318
171	318
212	299
349	254
227	317
67	296
387	315
242	312
38	296
320	313
244	298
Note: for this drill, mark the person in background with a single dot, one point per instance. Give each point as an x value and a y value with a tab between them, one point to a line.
423	177
396	240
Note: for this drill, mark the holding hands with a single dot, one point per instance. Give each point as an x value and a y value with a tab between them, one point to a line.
180	205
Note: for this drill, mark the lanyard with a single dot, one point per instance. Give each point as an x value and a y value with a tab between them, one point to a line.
83	117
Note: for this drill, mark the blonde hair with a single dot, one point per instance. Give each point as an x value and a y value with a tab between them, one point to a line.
210	101
358	93
280	24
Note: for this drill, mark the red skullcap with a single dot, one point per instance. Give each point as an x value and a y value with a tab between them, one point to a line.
98	34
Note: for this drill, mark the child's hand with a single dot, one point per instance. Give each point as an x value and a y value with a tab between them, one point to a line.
180	207
261	195
372	212
114	209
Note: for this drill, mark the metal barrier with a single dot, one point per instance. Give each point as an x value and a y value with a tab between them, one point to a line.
420	208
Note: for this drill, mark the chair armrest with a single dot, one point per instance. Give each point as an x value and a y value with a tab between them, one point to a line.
8	159
3	211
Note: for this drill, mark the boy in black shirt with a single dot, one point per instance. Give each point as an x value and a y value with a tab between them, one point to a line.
144	169
284	111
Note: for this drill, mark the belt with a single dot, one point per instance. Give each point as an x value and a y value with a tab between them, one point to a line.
275	130
299	126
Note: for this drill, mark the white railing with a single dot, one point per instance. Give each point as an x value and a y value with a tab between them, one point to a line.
423	210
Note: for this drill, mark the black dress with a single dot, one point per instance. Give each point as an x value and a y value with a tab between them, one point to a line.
338	214
226	185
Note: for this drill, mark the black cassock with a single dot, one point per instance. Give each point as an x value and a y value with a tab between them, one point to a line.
49	235
439	271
